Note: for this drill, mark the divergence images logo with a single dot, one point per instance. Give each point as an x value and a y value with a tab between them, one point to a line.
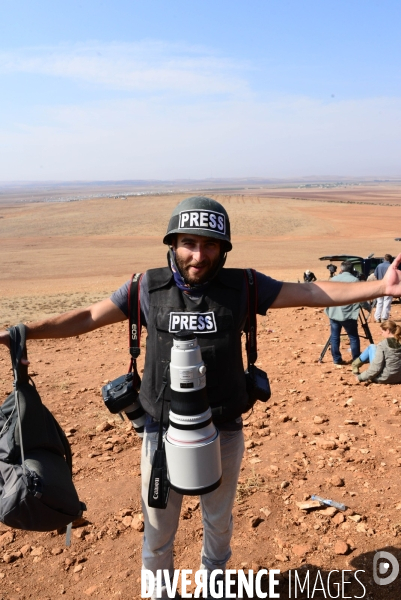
386	571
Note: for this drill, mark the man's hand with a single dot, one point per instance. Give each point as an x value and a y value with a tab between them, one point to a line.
5	338
392	278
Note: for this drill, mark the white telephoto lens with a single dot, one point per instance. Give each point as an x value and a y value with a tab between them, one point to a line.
192	442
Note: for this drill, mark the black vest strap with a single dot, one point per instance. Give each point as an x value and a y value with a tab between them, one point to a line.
251	333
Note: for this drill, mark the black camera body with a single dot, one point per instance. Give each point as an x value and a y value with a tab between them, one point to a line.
257	385
120	393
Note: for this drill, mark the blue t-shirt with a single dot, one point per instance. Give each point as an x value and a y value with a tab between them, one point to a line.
381	269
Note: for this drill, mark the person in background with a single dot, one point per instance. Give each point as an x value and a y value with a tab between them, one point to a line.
332	269
309	276
344	316
383	304
384	358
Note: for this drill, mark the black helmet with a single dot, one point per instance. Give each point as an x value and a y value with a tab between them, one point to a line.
201	216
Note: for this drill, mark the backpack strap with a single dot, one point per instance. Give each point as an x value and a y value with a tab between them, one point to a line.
18	351
252	303
134	319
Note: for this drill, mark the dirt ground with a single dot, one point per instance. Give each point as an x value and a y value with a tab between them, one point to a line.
321	433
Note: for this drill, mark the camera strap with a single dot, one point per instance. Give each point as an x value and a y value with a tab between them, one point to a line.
251	329
159	486
134	317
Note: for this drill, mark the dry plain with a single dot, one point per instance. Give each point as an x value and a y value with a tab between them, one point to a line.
57	256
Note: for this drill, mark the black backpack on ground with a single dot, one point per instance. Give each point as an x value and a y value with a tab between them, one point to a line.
36	488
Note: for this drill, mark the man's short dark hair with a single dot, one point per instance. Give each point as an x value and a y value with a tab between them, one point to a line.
347	267
388	258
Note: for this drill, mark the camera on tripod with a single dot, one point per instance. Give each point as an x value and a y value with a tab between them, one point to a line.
121	394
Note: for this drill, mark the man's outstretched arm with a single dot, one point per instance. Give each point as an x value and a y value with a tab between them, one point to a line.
336	293
74	322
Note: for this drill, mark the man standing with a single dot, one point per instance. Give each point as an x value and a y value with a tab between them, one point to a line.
344	316
383	304
196	282
332	269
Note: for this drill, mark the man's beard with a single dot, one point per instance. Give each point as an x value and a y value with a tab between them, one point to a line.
197	279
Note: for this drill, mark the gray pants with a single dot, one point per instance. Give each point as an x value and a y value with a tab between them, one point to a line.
216	507
383	307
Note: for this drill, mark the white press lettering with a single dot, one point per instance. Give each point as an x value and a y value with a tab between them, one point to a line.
194	220
212	221
220	222
203	221
209	322
184	219
174	321
200	322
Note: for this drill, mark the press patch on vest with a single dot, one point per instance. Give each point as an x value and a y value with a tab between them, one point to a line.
203	219
199	322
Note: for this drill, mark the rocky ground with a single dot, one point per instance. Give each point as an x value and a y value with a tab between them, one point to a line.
321	433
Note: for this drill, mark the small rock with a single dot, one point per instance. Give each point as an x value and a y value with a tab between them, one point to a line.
79	534
26	549
317	431
309	504
330	511
292	432
336	481
57	551
127	521
38	551
90	590
341	547
301	549
10	557
137	522
355	518
327	444
249	444
7	538
338	519
284	484
78	568
105	426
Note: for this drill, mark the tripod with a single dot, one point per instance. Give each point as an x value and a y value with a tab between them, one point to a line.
365	326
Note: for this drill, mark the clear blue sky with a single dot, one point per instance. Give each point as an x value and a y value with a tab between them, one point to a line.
185	89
